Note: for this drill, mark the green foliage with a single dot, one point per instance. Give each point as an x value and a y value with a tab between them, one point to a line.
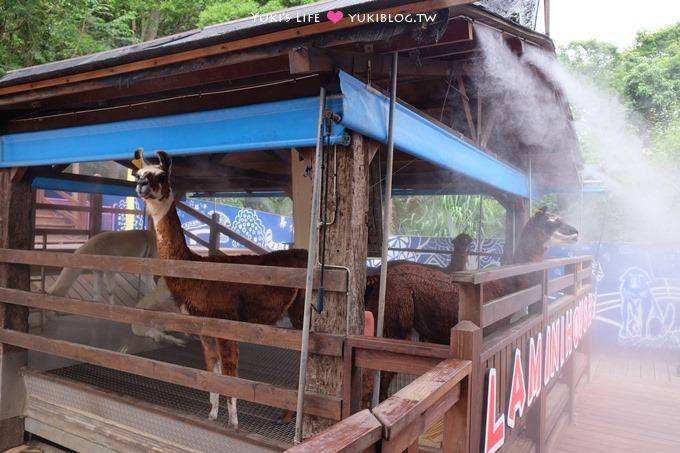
276	205
222	11
447	216
596	60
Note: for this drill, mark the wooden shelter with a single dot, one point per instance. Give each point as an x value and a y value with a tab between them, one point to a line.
237	105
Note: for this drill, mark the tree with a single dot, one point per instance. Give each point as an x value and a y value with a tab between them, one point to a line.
594	59
222	11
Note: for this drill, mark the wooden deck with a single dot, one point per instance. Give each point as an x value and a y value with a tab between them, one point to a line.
631	405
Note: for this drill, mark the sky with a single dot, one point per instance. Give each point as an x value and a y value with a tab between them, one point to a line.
614	21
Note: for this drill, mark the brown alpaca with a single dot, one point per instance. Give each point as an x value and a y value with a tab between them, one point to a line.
235	301
426	300
413	283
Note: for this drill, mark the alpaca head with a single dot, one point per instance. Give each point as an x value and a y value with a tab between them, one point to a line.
461	243
542	230
153	182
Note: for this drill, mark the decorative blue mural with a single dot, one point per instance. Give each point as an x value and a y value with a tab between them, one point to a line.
637	290
270	231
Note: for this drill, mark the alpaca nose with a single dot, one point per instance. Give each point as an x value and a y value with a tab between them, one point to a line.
143	187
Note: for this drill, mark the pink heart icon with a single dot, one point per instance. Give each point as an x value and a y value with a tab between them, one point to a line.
334	16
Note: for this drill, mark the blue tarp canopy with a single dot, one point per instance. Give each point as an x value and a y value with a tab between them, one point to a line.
274	125
365	110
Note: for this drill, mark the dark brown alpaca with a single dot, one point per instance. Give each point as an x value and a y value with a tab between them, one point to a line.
235	301
426	300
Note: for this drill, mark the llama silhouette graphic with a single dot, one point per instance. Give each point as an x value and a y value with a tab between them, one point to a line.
641	314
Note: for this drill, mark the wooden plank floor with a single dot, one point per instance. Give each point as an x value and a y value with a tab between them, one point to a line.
631	405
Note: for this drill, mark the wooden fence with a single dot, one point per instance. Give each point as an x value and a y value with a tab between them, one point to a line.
486	341
452	384
258	392
396	424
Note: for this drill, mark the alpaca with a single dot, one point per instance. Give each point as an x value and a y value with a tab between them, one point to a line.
159	299
136	243
426	300
226	300
419	282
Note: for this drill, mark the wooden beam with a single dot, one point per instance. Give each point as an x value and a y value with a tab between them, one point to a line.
239	44
466	108
222	70
16	230
232	97
324	344
256	392
221	228
408	404
288	277
505	306
353	434
18	173
343	313
305	60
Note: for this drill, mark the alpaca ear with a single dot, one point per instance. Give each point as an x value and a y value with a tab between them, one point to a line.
165	160
139	157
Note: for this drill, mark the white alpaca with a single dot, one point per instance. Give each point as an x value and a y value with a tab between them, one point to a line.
159	299
133	243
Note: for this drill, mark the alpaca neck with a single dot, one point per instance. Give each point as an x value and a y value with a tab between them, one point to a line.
169	234
528	252
458	262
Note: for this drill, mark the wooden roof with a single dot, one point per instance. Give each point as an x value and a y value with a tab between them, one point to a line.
243	62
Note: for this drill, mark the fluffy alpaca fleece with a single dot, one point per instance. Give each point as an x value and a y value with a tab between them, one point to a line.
426	300
418	297
541	231
135	243
235	301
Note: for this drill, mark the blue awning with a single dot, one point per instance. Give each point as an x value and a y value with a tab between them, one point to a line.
47	183
365	110
273	125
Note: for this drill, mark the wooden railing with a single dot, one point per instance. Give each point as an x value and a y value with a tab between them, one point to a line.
546	300
396	424
259	392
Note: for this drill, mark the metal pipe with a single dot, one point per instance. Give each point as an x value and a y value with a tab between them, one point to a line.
531	187
387	217
311	260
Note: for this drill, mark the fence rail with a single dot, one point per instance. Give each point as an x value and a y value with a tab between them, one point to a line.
289	277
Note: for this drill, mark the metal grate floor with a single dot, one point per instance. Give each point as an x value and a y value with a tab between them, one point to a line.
265	364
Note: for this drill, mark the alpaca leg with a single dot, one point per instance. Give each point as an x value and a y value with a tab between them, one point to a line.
229	367
212	363
109	286
385	381
99	287
148	283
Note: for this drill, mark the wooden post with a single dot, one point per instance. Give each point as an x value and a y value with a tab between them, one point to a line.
16	231
214	240
570	367
346	242
301	164
374	202
95	214
536	420
463	422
